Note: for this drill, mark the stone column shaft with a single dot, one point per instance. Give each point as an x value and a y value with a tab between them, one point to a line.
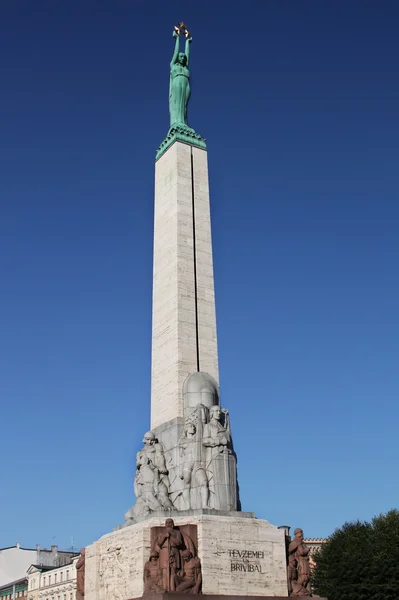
183	316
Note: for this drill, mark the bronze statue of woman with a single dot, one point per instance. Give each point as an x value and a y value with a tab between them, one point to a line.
179	87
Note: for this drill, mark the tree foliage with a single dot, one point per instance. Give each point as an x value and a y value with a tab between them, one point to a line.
360	561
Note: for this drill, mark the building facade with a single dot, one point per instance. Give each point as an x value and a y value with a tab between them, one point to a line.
314	544
15	561
16	590
52	583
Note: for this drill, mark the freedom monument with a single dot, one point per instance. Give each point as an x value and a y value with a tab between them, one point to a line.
186	533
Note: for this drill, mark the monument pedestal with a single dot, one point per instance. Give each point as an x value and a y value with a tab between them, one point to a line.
240	556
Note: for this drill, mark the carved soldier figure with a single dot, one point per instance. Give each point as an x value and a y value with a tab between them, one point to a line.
168	544
145	485
153	575
220	462
190	577
216	435
80	575
153	450
298	566
192	470
151	481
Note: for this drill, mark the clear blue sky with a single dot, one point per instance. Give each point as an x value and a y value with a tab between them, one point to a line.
299	103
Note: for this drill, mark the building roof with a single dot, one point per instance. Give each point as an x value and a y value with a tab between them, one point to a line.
39	549
22	581
42	568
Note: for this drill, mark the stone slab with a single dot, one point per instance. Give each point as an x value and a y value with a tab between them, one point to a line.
176	514
239	557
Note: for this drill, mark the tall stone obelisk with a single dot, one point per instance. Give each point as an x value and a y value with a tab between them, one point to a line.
183	317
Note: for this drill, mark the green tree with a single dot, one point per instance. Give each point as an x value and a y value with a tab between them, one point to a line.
360	561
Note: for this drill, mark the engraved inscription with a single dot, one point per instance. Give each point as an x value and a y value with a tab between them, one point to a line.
246	567
245	556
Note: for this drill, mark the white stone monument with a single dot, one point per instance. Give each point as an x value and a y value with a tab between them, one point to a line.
187	466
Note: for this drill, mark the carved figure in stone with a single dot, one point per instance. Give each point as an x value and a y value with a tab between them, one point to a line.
192	470
168	545
80	575
220	463
298	566
153	575
153	450
146	484
151	482
179	87
217	436
190	577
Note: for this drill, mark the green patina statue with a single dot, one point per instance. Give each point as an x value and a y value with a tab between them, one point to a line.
179	95
179	87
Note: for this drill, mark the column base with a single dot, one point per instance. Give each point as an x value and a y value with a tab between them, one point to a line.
240	557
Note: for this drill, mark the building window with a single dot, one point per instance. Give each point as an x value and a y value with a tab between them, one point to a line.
49	581
44	581
64	596
61	576
67	575
55	577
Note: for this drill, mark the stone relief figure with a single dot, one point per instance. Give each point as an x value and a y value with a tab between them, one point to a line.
298	566
174	565
220	463
145	488
168	545
154	452
208	464
190	577
192	464
192	469
80	575
217	435
151	482
153	575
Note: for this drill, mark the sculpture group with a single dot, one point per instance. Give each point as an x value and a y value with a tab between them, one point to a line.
205	451
198	472
173	565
